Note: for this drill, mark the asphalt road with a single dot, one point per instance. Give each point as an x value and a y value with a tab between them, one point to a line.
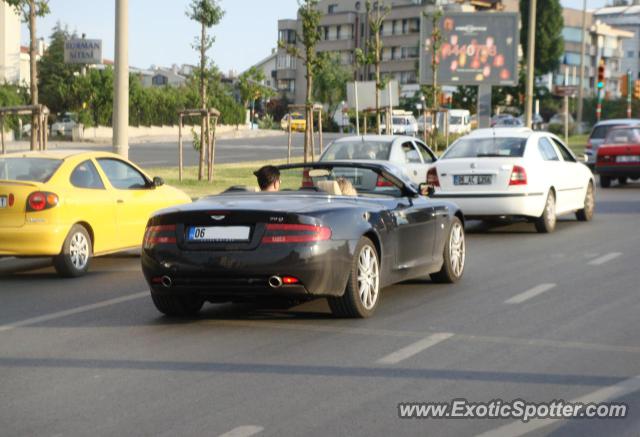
536	317
158	154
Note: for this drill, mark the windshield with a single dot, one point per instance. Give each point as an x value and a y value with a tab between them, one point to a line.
455	120
338	180
600	132
28	169
297	117
357	149
623	136
486	148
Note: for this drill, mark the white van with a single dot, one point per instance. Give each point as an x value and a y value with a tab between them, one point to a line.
459	121
402	123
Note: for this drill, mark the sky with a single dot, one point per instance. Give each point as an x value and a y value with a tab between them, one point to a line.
161	34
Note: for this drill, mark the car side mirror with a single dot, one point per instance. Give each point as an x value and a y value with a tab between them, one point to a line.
426	189
158	182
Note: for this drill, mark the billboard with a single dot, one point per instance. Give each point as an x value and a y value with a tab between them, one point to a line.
479	48
83	51
367	95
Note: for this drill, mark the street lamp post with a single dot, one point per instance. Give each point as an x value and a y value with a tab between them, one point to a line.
121	95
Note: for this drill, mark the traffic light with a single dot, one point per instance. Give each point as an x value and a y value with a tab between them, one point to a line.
636	89
601	67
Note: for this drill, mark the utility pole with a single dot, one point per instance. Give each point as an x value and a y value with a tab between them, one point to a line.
531	47
121	95
583	51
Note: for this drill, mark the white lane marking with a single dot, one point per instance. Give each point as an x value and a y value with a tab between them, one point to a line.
604	259
538	289
72	311
610	393
414	348
243	431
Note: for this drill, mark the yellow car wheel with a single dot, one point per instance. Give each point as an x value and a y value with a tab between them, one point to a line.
75	257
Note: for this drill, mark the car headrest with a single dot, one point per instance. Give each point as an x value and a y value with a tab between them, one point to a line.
330	187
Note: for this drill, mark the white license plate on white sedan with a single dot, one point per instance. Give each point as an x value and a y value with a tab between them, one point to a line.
628	158
3	201
219	233
472	179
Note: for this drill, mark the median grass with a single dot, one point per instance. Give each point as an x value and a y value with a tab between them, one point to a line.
224	176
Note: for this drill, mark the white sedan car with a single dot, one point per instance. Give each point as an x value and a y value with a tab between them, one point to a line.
409	154
514	173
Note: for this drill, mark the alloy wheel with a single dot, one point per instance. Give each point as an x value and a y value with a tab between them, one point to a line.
368	277
79	251
457	249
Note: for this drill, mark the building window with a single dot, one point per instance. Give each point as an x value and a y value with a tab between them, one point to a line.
332	9
339	32
287	36
573	34
159	80
409	52
285	62
287	85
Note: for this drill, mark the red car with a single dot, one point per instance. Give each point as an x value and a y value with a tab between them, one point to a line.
619	156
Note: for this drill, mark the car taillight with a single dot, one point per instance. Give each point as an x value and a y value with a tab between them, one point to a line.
295	233
382	182
306	179
41	200
518	176
432	177
288	280
161	234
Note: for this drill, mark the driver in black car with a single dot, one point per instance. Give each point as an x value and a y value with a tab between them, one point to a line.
268	178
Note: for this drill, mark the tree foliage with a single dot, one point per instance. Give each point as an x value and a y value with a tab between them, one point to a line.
548	36
251	86
331	77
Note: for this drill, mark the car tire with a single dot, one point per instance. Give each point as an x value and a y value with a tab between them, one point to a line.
75	256
622	180
586	214
365	275
454	253
605	181
177	306
546	223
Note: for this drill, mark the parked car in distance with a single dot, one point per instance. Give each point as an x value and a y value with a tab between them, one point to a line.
508	122
619	156
307	241
409	154
559	119
298	122
499	117
402	123
64	125
73	205
537	121
514	173
599	133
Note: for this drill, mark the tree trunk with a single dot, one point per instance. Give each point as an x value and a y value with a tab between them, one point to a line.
378	120
203	101
308	113
33	53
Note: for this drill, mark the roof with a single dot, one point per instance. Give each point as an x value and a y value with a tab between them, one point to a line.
518	132
625	121
619	10
24	49
383	138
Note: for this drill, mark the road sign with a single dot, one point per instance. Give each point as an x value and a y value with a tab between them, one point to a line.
565	90
477	48
83	51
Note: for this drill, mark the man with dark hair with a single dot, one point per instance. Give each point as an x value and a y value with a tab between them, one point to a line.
268	178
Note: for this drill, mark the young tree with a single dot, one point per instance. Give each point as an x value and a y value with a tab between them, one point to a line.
310	15
549	40
372	55
251	87
29	10
435	40
331	77
208	13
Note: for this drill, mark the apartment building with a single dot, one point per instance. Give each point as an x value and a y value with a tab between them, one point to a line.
9	44
625	18
344	28
604	42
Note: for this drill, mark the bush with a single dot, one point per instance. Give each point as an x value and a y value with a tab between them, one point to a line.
558	129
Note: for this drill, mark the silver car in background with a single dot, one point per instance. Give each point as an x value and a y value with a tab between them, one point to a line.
409	154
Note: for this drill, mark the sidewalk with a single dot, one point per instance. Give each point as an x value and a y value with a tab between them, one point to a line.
151	139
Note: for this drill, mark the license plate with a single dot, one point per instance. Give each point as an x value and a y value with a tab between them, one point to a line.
3	201
628	158
219	233
474	179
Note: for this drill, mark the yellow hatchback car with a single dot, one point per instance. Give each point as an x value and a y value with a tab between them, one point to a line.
298	122
73	205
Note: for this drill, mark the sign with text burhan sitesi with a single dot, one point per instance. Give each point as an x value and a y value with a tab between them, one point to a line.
479	48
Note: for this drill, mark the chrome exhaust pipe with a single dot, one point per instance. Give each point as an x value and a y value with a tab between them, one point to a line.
275	282
166	282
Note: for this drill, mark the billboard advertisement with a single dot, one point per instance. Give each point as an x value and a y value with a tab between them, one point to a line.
367	95
479	48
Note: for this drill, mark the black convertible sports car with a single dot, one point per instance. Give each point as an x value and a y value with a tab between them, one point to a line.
306	241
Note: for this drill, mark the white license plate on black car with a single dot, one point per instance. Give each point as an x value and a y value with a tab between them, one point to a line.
628	158
219	233
472	179
3	201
